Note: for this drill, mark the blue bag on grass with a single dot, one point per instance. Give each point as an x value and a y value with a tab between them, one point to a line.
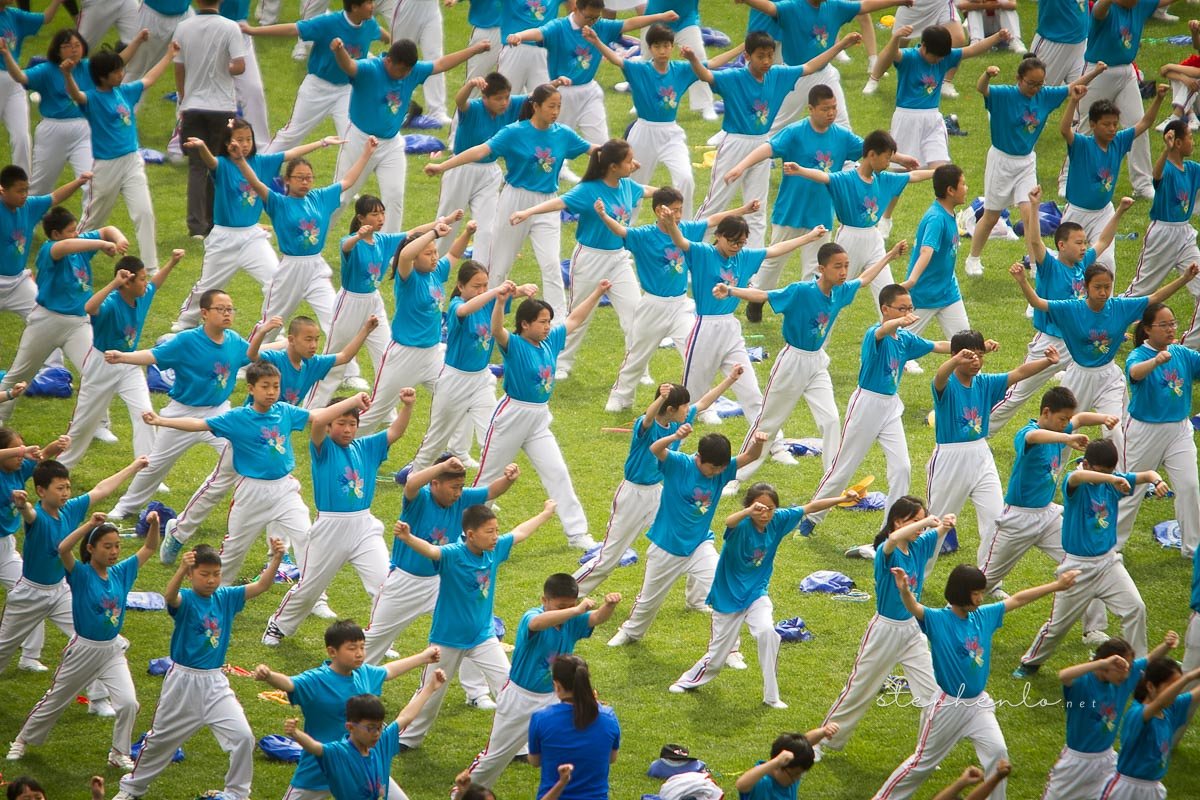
50	382
828	581
280	748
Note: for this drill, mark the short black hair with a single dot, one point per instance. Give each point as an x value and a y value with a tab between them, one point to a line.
104	63
129	264
1095	271
342	632
449	474
206	556
1115	646
11	174
964	580
945	178
819	94
733	227
476	516
759	40
936	40
798	745
878	142
1101	453
206	299
20	784
57	220
758	490
403	51
495	83
365	708
1064	231
665	196
677	396
966	340
1179	127
889	293
827	251
299	322
49	471
714	449
561	586
659	33
1103	108
1060	398
260	370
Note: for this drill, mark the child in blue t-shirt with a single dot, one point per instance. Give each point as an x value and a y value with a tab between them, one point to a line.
681	541
117	169
195	692
322	692
99	582
268	496
1156	718
16	25
1095	693
739	587
960	641
462	618
545	632
118	312
792	755
64	284
360	764
962	466
1091	495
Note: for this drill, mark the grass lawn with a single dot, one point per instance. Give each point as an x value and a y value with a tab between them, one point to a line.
725	724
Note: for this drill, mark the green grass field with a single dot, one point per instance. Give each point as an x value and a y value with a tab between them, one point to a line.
724	723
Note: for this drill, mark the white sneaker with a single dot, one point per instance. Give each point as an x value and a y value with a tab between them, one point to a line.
485	703
163	489
736	661
913	368
999	594
622	87
1193	122
179	326
675	688
581	541
615	406
356	383
321	609
121	761
1018	47
32	665
102	708
300	51
124	795
16	750
442	120
1162	15
884	226
620	638
775	704
843	57
1028	311
1162	126
710	417
974	266
871	87
392	654
784	456
731	488
272	636
647	379
1095	638
469	462
566	174
817	754
1147	193
948	90
709	115
561	374
106	436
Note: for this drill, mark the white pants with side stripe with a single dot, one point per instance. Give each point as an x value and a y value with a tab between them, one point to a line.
499	249
754	183
1079	776
10	573
400	367
124	176
100	382
274	506
716	344
1169	247
421	21
525	66
767	277
14	110
665	143
657	318
1123	787
634	507
760	619
459	399
1103	390
389	164
300	279
583	111
510	731
589	266
866	248
662	570
1064	62
885	643
45	331
350	311
98	17
1014	399
56	143
226	252
959	472
488	656
475	188
208	495
1171	445
316	99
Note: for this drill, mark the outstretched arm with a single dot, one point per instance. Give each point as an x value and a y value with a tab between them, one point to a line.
754	451
1027	596
825	59
702	72
164	271
526	528
154	73
584	309
66	548
356	169
452	60
872	272
1017	271
14	69
710	397
276	680
1030	368
985	44
110	484
410	711
267	579
292	730
1174	286
781	249
470	156
404	534
1069	675
430	655
1147	121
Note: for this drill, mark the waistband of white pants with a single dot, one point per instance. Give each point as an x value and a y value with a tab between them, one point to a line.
193	670
659	299
856	229
873	393
583	248
1184	224
463	372
952	699
714	317
288	258
407	574
229	229
749	137
1027	509
1111	555
366	512
800	352
1102	368
64	120
77	318
993	150
899	623
116	641
508	187
1088	66
978	444
652	124
265	481
1138	781
334	87
1107	207
1103	755
921	112
43	586
508	398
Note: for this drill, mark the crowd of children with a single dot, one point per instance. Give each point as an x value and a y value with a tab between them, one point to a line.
532	99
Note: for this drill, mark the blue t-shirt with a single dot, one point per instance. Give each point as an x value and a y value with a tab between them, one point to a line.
768	788
535	651
321	694
656	95
469	342
476	124
802	203
1093	337
435	523
484	13
529	368
98	604
15	26
236	10
235	203
10	516
1017	120
708	267
1034	471
47	80
118	326
336	25
353	776
203	626
881	361
808	31
520	15
620	201
205	371
569	55
751	104
417	321
344	477
1146	745
641	467
65	284
364	267
860	204
379	102
261	441
1116	38
688	504
1057	281
688	11
809	313
1165	395
112	119
962	648
1089	526
553	736
748	559
918	82
16	232
1063	21
937	287
462	617
1092	176
533	157
301	223
659	263
887	596
296	382
1094	709
42	538
169	8
962	412
1175	192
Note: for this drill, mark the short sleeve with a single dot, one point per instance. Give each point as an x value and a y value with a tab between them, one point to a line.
578	199
297	417
576	144
309	29
132	92
222	425
422	70
330	197
954	59
609	30
916	346
304	687
234	597
994	615
501	142
932	235
781	299
723	80
751	261
504	546
557	338
75	510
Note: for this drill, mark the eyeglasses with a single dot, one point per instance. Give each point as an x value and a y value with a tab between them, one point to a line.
903	309
302	178
370	727
1171	325
1033	84
221	309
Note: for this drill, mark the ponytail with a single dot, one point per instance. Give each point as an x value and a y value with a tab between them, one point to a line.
365	204
1160	672
571	673
1142	331
538	96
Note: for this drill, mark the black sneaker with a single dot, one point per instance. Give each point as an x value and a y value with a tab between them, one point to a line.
754	312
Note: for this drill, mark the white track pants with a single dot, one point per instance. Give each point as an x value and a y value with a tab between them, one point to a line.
459	398
544	231
1171	445
510	731
657	318
101	382
1014	399
767	277
45	331
662	570
208	495
1100	389
965	471
633	509
588	267
421	21
716	344
1079	776
98	17
475	188
1169	247
14	110
723	638
350	311
125	177
488	657
301	279
665	143
56	143
525	66
316	99
865	247
226	252
401	366
753	183
10	573
795	104
388	163
274	506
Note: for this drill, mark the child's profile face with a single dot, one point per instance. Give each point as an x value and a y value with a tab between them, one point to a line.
484	537
265	391
68	231
349	655
343	429
113	78
1056	420
205	579
16	195
1073	248
12	463
56	494
304	342
678	413
136	286
836	269
1185	146
446	491
362	12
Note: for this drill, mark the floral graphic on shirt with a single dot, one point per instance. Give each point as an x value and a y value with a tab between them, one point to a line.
583	57
1172	381
1164	753
1079	288
870	208
1184	199
820	325
483	581
824	160
393	102
674	257
272	438
437	294
930	83
536	9
756	558
437	536
701	501
220	374
912	583
83	277
310	232
483	336
1031	121
212	630
894	371
130	335
1099	513
729	276
1052	467
246	195
125	115
820	34
621	214
545	158
10	39
1105	178
375	273
353	50
290	395
546	378
972	422
1108	716
954	243
1126	38
112	611
1099	341
18	242
667	97
760	111
974	650
351	482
